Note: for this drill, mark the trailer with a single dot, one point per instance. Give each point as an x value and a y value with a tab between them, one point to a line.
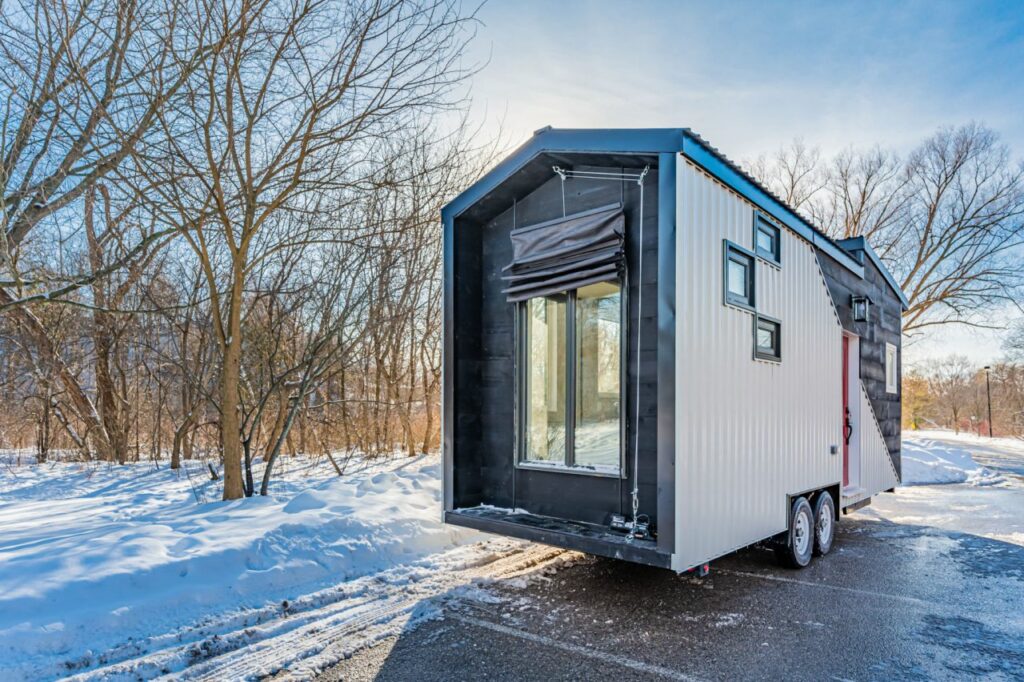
649	356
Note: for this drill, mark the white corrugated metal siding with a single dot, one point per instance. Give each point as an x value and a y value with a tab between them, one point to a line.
747	432
876	470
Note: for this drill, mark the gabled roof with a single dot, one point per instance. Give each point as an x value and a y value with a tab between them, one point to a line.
645	141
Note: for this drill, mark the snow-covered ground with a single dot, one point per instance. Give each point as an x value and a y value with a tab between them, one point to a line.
929	457
95	560
946	486
134	572
967	438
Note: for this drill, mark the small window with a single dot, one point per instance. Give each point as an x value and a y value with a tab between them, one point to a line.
767	339
890	369
767	239
739	276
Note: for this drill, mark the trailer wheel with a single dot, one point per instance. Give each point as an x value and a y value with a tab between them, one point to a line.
798	547
824	524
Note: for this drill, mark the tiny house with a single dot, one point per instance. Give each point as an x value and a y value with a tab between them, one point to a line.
649	356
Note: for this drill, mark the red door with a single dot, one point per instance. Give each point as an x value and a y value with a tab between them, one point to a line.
847	427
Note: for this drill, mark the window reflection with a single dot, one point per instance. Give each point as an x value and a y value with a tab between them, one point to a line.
598	377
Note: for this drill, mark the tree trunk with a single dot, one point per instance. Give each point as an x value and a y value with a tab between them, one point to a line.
110	414
182	443
285	430
43	439
247	461
230	440
176	449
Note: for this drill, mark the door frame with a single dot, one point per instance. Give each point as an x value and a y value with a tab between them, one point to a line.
852	451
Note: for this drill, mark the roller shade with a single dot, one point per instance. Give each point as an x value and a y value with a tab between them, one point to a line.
566	253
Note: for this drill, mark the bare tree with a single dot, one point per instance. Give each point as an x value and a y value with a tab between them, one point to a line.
81	85
286	116
948	219
950	382
795	173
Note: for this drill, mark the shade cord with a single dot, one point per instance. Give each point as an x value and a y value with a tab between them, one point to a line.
564	174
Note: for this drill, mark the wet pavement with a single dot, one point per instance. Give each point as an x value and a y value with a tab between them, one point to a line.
892	601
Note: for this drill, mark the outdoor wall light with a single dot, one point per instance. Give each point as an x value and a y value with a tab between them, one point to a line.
861	308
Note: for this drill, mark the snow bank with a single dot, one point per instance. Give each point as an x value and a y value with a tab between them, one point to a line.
94	558
1004	444
926	461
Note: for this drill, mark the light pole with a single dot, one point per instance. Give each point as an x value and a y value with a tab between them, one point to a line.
988	392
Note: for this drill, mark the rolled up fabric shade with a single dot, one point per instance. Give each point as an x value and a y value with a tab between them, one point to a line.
566	253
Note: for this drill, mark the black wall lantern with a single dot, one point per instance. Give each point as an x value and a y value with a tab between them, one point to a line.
861	308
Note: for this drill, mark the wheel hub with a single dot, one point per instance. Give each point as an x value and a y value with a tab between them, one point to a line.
801	533
824	524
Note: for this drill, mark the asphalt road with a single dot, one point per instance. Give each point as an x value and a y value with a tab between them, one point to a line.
891	601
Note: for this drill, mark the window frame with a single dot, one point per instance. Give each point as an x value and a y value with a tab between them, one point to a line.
762	222
758	353
728	298
892	351
521	351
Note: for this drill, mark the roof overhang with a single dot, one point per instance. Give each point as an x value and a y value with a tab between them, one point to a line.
646	141
581	141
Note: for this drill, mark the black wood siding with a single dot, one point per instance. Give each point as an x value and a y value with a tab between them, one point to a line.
484	372
883	326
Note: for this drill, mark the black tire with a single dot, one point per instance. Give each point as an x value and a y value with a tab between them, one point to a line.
824	524
797	548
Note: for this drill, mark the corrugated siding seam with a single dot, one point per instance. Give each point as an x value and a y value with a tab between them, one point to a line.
878	430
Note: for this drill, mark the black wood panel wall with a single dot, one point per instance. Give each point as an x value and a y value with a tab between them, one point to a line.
484	436
882	327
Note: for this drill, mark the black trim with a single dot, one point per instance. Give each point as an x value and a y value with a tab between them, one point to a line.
448	361
666	436
763	223
728	298
520	355
570	379
583	537
758	353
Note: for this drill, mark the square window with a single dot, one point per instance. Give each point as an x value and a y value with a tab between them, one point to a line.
767	339
767	239
739	276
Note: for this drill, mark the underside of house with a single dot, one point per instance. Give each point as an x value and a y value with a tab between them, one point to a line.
648	356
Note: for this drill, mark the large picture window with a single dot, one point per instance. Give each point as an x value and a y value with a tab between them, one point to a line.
572	379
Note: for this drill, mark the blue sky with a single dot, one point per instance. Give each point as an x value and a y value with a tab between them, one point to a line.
751	76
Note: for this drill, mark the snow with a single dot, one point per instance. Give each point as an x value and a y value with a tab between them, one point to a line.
99	558
929	461
131	572
996	513
986	500
968	439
